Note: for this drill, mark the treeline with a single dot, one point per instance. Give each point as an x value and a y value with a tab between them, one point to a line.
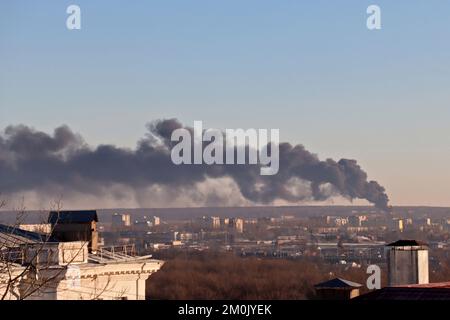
225	276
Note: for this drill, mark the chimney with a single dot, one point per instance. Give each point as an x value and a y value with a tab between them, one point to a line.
68	226
407	263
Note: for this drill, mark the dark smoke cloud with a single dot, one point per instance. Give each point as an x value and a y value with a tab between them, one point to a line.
33	160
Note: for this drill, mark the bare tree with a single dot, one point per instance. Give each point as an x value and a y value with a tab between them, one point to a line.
33	268
24	263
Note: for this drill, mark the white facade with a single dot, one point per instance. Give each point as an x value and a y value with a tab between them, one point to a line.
65	271
156	221
238	224
407	265
215	222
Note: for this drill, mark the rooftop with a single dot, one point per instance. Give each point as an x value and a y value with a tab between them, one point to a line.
338	283
408	293
406	243
428	285
11	236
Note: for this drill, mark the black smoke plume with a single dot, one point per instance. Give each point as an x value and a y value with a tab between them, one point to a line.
33	160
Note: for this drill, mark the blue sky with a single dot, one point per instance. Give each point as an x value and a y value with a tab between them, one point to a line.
310	68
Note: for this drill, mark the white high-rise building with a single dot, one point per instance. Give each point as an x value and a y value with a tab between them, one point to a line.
238	224
156	221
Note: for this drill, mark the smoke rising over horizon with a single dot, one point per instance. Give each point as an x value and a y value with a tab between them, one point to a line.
63	163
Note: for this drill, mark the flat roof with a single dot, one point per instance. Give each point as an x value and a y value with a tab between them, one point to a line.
407	243
408	293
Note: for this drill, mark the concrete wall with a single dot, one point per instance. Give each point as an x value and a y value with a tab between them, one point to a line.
423	273
407	266
60	253
112	281
104	287
77	232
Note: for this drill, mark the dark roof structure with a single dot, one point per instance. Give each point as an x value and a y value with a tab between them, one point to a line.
411	293
13	237
406	243
81	216
338	283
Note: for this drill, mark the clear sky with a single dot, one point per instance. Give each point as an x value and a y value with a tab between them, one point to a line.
310	68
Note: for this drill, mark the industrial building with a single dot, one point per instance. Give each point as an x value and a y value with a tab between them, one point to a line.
238	224
156	221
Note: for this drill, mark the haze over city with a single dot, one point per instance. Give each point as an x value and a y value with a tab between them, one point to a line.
327	83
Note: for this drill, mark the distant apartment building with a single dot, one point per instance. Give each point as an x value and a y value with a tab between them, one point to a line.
357	229
142	225
396	224
237	224
339	221
215	222
121	220
290	239
126	218
147	223
187	236
328	230
375	221
156	221
207	222
401	225
423	222
357	221
446	224
251	221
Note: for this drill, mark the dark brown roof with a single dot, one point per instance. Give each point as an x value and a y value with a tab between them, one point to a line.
338	283
408	293
406	243
428	285
10	236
